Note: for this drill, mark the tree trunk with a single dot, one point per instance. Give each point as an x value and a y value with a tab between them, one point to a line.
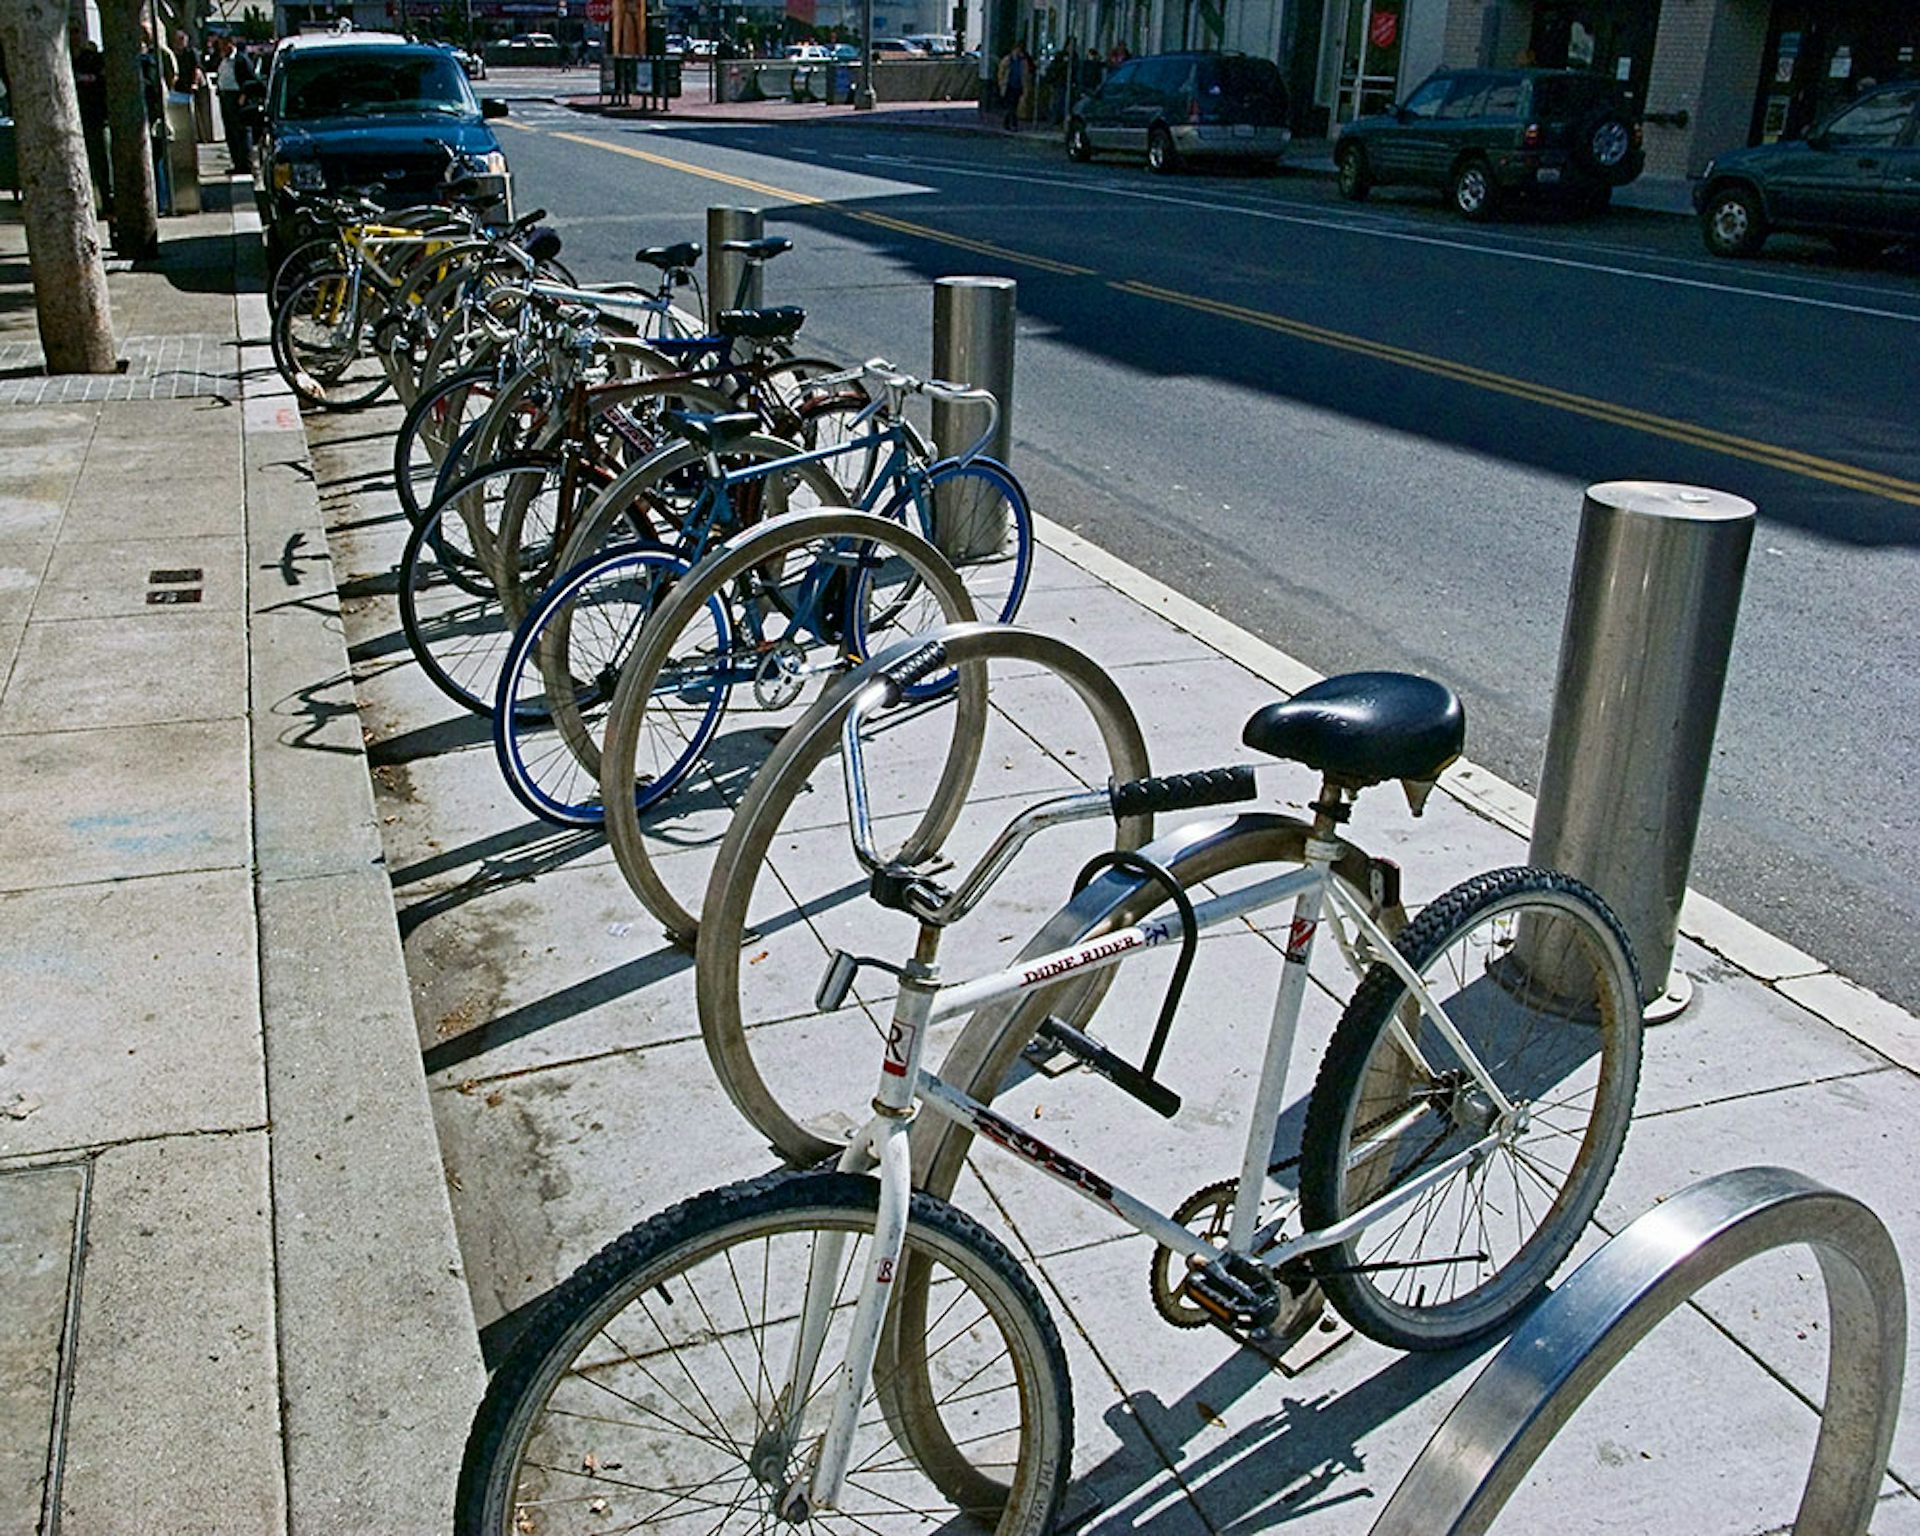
63	238
136	218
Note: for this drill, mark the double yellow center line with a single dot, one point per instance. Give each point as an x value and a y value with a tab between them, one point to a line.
1787	460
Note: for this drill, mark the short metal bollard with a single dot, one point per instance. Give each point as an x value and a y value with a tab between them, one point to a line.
973	344
724	267
1657	574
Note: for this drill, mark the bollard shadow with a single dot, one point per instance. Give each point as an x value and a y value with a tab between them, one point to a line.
1242	324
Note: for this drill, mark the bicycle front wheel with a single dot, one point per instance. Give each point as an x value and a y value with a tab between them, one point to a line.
648	1391
1537	979
550	717
322	342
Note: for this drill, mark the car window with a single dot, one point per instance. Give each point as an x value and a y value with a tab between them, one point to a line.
1426	101
360	83
1122	78
1464	99
1244	83
1167	76
1560	98
1502	99
1874	123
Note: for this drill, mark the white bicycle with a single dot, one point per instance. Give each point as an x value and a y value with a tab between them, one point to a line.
833	1347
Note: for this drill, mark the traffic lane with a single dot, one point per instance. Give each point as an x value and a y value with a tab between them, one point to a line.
1806	401
1352	544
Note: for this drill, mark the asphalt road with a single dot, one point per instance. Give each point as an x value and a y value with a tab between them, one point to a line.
1362	432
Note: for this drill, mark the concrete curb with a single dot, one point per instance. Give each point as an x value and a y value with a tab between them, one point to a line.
379	1356
1852	1009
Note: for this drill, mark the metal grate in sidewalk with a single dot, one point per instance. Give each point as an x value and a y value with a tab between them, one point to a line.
158	368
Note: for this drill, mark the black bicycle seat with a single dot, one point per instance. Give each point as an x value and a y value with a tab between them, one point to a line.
774	324
712	431
1364	728
758	250
668	257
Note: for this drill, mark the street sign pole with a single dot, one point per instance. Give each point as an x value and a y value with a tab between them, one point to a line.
863	98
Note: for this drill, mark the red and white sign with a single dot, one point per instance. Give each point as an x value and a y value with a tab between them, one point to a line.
1383	29
600	11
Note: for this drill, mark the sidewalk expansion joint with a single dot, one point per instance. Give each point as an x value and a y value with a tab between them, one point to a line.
468	1086
136	877
93	1149
1774	1091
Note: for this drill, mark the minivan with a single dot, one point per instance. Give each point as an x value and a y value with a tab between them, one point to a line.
1176	107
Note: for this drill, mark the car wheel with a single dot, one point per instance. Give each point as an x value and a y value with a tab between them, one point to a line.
1162	158
1733	222
1603	144
1475	195
1356	180
1078	148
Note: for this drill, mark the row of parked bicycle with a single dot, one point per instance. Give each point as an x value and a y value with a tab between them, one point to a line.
570	457
627	523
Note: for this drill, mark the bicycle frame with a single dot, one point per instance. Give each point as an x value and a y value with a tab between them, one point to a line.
905	1084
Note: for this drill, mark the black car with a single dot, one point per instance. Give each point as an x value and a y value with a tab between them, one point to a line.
1173	107
368	111
1483	135
1855	179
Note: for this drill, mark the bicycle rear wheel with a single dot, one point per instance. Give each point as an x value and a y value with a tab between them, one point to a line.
1538	978
449	610
981	512
322	342
423	447
647	1391
558	681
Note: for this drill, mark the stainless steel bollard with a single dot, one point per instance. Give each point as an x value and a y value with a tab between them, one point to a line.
1657	573
973	344
723	267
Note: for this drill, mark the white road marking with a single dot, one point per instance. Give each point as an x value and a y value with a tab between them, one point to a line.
1352	226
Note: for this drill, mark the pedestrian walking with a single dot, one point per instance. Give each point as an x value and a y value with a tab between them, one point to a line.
1013	77
231	78
157	69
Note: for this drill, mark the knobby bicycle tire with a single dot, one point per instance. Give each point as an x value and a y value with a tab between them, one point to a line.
322	344
1538	977
690	1316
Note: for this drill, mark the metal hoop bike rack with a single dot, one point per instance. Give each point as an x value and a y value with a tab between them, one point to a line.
1566	1347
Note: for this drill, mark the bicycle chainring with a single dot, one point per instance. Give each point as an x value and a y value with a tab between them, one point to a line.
781	675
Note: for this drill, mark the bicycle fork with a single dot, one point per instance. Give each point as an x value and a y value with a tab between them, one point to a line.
884	1140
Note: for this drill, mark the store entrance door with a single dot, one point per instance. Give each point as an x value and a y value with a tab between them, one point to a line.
1369	33
1609	37
1822	53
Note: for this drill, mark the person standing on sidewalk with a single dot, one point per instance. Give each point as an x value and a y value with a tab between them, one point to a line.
1013	78
231	78
90	87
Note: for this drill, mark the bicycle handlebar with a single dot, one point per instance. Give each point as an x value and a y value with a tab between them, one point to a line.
1120	799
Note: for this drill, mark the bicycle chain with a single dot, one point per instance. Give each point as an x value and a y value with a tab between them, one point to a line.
1165	1297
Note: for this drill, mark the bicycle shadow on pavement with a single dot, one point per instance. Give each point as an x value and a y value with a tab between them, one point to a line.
1296	1458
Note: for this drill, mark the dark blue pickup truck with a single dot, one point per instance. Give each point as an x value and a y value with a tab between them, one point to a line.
370	112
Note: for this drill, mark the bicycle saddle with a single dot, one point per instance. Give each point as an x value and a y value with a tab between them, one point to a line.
758	250
1364	728
775	324
713	431
668	257
543	243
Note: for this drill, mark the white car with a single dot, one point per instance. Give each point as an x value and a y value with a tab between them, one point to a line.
809	53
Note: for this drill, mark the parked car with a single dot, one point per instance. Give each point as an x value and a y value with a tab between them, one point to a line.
1173	107
1855	179
810	53
701	47
1483	135
371	111
896	48
939	45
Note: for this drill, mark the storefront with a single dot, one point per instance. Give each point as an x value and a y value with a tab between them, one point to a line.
1609	37
1822	53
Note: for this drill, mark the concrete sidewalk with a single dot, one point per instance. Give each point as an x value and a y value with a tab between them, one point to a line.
230	1297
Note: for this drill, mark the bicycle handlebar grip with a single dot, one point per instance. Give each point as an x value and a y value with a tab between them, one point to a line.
909	669
1181	791
526	221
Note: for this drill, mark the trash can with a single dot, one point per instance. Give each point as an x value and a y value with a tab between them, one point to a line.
183	153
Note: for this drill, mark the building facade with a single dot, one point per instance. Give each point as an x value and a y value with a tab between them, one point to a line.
1710	75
